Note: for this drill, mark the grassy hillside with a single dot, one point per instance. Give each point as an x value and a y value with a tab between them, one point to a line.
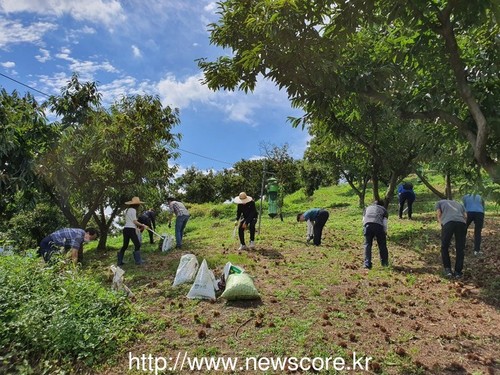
318	301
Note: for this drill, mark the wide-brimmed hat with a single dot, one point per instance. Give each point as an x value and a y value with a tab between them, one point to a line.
134	200
242	198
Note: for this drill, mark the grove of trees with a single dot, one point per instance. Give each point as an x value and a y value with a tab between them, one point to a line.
397	85
387	88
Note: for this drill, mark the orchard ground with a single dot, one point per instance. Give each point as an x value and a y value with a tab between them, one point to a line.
319	301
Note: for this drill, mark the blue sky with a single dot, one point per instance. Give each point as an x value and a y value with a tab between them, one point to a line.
144	47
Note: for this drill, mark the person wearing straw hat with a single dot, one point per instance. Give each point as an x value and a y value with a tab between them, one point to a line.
130	231
246	217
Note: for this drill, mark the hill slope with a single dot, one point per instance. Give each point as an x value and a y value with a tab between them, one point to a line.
318	301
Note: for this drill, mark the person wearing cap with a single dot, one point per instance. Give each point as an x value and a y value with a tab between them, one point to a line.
130	231
246	217
148	218
70	238
316	219
181	219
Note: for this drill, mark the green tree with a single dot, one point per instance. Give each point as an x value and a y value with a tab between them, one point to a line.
24	133
433	61
104	154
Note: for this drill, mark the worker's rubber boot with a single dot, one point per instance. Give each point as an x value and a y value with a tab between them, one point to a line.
119	256
137	257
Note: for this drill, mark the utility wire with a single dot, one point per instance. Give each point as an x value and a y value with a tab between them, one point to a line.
206	157
180	149
31	88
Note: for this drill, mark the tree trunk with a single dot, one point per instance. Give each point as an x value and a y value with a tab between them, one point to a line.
447	180
391	188
104	224
429	186
465	92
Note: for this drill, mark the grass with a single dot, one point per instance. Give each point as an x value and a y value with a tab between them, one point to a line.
318	301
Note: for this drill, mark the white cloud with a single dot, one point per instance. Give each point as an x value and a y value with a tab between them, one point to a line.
136	51
237	105
43	56
13	32
107	12
85	69
181	94
8	64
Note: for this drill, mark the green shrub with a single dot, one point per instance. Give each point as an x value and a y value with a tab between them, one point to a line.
55	312
27	228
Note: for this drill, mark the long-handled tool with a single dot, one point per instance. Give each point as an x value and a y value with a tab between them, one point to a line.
159	235
168	240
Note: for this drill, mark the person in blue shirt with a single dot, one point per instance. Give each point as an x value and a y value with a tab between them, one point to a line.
316	219
406	194
70	238
474	206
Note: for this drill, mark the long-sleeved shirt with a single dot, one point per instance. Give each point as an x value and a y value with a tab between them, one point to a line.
248	211
312	214
72	237
149	218
178	208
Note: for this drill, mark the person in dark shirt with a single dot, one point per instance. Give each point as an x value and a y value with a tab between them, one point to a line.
246	217
148	218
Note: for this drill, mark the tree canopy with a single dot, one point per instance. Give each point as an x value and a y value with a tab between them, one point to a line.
436	62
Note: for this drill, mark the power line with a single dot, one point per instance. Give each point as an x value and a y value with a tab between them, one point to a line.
205	157
180	149
31	88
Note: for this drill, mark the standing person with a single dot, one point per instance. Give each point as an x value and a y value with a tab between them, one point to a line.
148	218
375	219
182	217
70	238
406	194
130	231
452	217
246	217
474	206
316	219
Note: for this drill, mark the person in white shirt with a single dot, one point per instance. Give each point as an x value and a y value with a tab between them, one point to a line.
130	231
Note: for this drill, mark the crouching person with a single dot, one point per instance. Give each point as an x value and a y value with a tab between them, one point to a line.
71	239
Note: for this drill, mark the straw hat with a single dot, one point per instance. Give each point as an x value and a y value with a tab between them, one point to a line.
242	198
135	200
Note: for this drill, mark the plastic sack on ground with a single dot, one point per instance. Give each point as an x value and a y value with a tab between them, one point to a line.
118	281
204	285
186	271
168	242
230	268
240	286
